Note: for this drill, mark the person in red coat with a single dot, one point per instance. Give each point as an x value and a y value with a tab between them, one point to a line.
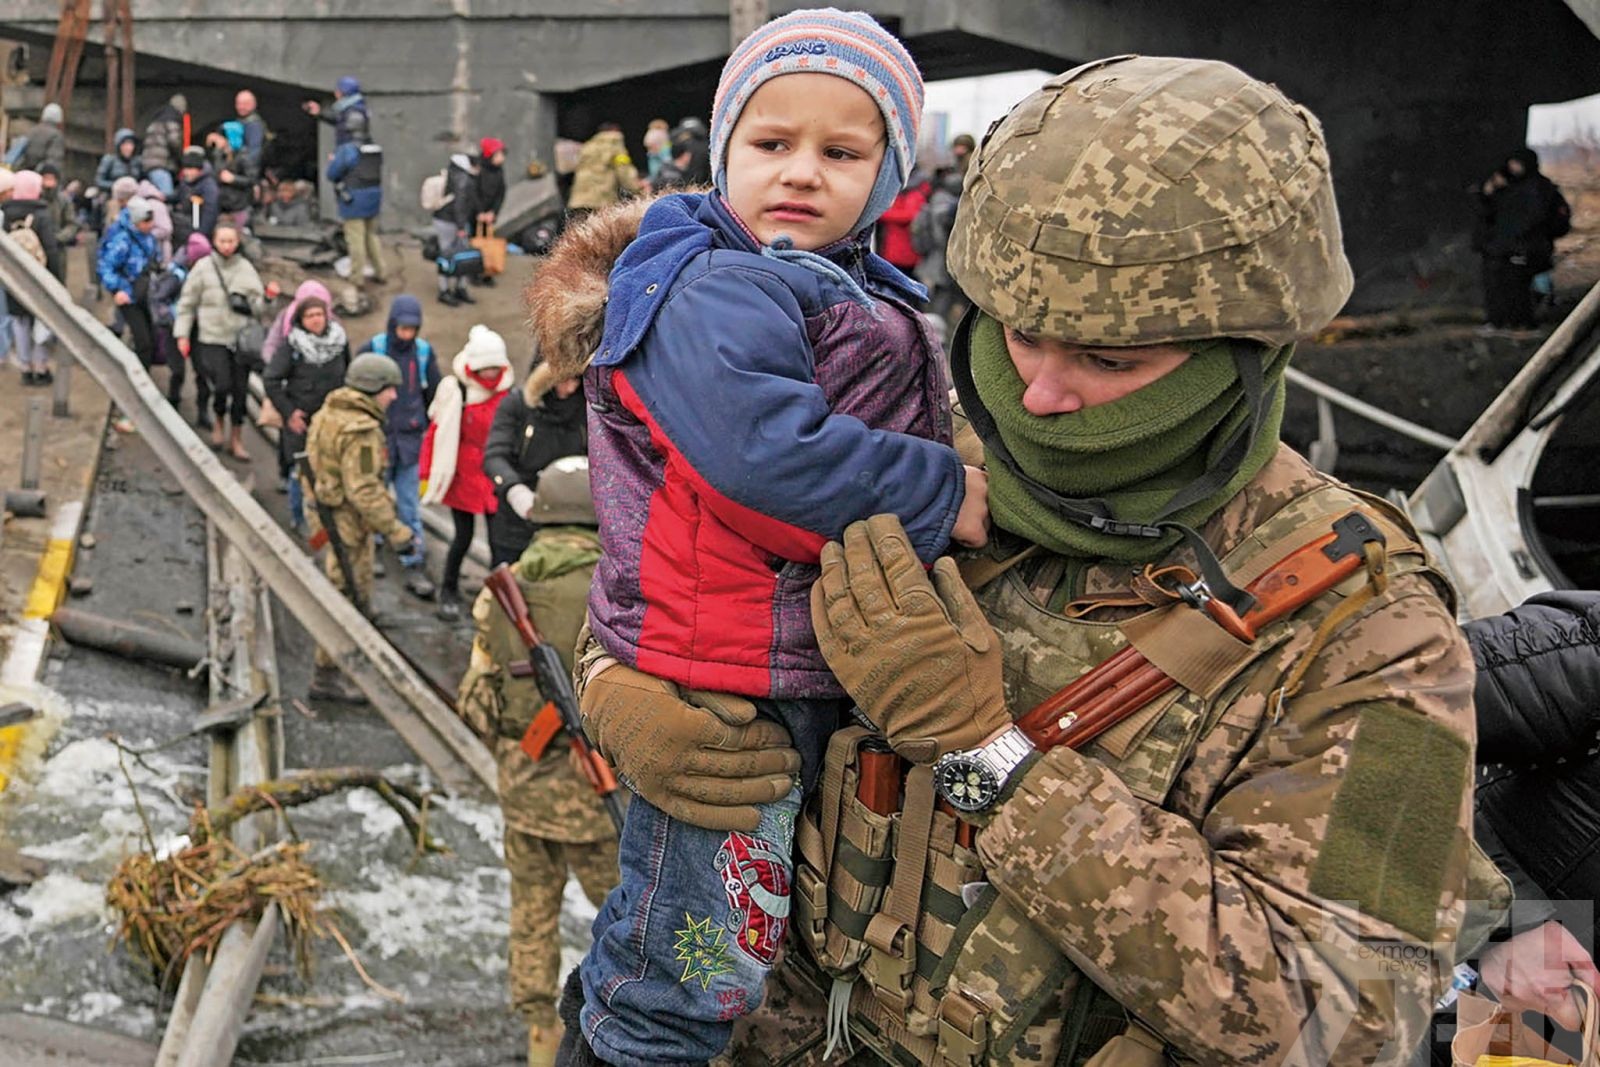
452	449
894	229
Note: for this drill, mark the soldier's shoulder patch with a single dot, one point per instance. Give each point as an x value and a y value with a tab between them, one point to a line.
1392	828
364	460
622	159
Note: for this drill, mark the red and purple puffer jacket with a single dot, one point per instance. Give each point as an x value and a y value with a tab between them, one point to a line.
745	409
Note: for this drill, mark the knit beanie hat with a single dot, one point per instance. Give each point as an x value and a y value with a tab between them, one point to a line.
347	86
139	210
51	113
489	146
484	349
196	247
27	185
124	187
194	156
849	44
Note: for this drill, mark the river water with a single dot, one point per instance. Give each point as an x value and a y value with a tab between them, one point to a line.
432	928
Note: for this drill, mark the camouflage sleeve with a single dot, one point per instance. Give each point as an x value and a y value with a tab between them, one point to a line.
1295	898
361	462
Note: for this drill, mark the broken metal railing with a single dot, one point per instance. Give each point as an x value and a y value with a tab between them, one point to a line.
214	995
424	721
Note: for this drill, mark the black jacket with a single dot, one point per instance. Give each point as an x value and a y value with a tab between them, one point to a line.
524	439
462	210
182	209
1521	221
1538	702
491	190
292	383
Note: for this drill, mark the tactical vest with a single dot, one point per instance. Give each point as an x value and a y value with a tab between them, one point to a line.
924	959
368	170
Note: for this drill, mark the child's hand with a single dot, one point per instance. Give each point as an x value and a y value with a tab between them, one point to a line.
972	521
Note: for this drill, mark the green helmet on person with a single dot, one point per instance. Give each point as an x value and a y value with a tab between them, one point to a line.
562	498
1131	202
1145	200
371	373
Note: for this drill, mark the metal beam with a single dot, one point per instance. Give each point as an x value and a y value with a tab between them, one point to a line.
398	692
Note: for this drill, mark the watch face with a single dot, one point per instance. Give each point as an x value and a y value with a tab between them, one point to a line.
967	784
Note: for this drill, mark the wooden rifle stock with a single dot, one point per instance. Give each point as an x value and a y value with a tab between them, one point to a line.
1096	701
544	664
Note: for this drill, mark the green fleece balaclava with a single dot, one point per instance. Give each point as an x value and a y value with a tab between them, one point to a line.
1132	454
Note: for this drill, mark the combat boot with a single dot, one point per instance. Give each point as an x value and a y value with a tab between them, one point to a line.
449	609
329	683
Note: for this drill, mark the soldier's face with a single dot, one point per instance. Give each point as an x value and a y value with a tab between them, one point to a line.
1060	378
803	158
387	397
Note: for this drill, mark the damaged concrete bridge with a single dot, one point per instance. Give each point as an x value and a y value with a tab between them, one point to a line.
1419	100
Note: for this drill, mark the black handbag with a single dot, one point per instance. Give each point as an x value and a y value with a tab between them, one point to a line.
252	336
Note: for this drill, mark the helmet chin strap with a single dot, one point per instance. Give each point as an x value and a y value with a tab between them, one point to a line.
1097	514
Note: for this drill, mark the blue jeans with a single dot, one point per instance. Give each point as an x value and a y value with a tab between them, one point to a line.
407	484
297	500
683	945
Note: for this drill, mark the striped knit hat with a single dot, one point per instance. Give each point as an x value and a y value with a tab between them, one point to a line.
826	40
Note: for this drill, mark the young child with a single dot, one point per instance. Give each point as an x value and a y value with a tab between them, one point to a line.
761	383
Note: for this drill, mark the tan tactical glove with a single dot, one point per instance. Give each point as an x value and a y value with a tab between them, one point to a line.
708	762
917	655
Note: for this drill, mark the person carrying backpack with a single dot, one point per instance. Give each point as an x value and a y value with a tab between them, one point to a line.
163	143
455	212
408	422
26	218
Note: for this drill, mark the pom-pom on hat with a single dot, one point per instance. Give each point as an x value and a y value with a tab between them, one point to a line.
848	44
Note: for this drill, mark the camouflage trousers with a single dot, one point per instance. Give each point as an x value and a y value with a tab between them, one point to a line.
357	541
539	869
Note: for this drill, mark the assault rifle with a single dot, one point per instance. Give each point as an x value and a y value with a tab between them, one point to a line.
329	534
1097	701
561	703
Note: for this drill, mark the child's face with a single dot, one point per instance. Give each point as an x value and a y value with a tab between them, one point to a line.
406	333
803	158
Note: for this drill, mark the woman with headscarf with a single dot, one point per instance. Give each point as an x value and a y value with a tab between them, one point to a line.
452	450
307	366
210	299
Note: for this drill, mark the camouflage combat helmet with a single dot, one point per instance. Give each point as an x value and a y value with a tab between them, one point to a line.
371	373
563	495
1142	200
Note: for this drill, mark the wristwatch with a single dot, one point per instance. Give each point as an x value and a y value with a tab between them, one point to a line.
974	780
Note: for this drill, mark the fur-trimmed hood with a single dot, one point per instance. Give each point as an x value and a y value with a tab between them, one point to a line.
567	297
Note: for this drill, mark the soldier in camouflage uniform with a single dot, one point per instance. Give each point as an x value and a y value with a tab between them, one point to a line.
1272	862
348	453
554	823
605	173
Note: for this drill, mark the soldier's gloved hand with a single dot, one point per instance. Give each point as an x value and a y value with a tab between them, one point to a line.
700	757
520	499
916	654
400	538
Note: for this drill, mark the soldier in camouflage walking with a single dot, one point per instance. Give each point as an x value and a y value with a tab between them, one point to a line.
554	821
1271	862
348	452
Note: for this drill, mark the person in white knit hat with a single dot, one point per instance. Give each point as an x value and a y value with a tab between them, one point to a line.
452	449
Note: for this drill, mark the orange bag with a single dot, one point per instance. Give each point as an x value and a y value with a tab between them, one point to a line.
1488	1035
492	247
